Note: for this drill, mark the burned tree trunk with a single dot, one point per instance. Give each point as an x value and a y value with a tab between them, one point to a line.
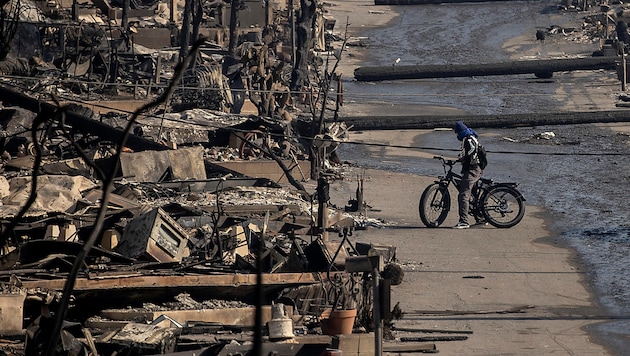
184	39
304	30
236	6
197	18
299	75
9	16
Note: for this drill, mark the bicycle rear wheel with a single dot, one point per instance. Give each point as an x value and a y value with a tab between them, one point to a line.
502	206
434	205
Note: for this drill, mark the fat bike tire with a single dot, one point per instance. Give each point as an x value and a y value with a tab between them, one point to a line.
435	204
503	207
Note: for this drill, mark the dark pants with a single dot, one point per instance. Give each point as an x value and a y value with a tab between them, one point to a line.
469	178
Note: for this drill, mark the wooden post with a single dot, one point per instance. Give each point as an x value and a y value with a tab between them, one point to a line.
268	14
376	311
623	66
322	211
174	15
125	15
158	69
292	21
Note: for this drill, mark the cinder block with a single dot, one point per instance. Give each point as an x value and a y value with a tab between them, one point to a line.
110	239
354	344
11	313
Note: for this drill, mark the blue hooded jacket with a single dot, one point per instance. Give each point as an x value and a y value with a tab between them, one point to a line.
462	130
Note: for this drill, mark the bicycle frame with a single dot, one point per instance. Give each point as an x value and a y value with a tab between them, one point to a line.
455	179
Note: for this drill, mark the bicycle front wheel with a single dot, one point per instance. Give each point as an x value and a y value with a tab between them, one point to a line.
434	205
503	207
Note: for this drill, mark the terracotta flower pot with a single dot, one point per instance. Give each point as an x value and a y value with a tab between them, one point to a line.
338	321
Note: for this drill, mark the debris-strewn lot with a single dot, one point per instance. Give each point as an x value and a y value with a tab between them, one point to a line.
165	177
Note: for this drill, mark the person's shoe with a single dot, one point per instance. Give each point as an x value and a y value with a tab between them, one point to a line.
461	225
481	223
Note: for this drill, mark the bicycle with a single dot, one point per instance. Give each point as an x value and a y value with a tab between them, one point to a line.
499	204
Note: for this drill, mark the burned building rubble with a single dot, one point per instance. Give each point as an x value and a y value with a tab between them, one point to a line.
177	221
99	50
186	225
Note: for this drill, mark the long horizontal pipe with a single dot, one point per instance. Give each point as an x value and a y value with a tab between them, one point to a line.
543	66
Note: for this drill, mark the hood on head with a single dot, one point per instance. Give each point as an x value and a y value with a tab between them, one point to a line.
459	127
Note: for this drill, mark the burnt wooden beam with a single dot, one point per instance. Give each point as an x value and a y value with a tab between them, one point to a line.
400	348
96	292
79	122
95	282
429	331
544	68
434	338
250	209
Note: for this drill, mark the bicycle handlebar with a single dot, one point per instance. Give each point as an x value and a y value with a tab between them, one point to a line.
447	162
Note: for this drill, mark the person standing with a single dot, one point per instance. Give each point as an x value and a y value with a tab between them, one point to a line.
471	171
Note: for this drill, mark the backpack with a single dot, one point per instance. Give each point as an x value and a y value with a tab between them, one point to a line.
482	156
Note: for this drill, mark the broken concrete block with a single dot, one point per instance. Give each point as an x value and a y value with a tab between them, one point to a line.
148	166
154	166
11	313
55	193
69	233
156	236
4	187
188	163
65	232
110	239
354	344
52	232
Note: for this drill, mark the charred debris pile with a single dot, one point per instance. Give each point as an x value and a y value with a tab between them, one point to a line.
164	194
